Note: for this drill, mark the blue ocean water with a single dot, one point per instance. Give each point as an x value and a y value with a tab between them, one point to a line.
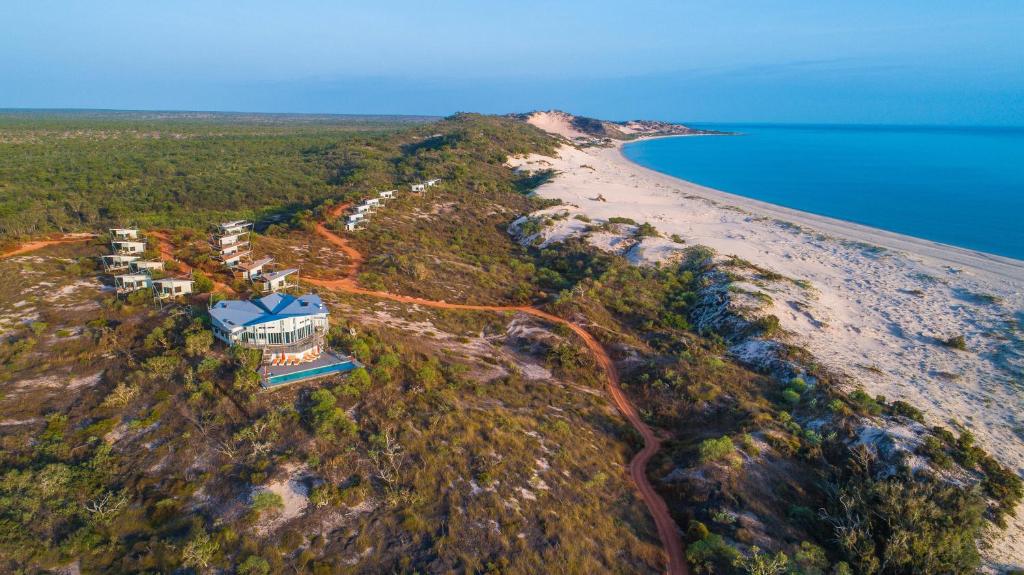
960	186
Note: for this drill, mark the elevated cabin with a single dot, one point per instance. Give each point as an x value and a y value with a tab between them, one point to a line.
168	288
434	182
124	234
252	270
220	242
362	209
127	246
234	259
387	195
351	226
372	202
117	262
139	266
234	228
228	249
279	280
418	188
127	283
356	217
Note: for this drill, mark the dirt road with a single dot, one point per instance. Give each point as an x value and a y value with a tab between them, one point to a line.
668	531
28	247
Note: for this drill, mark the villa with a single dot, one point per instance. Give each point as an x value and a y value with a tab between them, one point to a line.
138	266
234	228
128	283
290	331
124	234
233	259
252	270
387	195
117	262
274	281
127	246
167	288
418	188
434	182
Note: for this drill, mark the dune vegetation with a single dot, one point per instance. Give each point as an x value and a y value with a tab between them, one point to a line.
472	441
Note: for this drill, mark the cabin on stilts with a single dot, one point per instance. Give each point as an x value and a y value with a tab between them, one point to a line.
171	288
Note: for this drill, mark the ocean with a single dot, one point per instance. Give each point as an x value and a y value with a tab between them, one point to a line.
959	186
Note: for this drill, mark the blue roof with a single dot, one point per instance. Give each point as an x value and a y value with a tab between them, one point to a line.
235	314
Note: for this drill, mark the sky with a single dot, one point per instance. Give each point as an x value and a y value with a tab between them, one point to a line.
872	61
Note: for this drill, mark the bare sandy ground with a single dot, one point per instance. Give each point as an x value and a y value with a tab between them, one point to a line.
877	306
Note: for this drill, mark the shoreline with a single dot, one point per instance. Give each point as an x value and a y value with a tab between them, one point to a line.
1009	268
873	307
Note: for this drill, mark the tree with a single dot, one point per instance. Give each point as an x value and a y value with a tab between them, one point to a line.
356	383
203	284
198	343
763	563
200	550
326	417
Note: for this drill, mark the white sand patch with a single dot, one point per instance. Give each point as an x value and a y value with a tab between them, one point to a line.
294	493
874	315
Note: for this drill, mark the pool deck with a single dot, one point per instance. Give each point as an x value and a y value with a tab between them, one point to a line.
328	358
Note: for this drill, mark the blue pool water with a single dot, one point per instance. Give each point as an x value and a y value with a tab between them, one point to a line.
295	376
960	186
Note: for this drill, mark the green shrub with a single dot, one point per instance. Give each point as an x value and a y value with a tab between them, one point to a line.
326	418
716	449
253	565
791	396
266	501
202	282
711	554
956	342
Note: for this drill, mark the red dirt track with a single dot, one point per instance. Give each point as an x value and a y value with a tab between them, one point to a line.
32	246
667	529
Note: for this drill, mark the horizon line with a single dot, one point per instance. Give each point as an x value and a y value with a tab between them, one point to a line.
787	123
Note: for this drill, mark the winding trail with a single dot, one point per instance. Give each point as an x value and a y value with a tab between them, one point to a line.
668	531
32	246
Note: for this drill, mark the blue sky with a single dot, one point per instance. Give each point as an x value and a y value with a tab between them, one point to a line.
912	61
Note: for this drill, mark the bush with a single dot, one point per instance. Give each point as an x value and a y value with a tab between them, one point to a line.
711	554
202	282
356	384
253	565
791	396
956	342
621	220
326	418
906	410
266	501
716	449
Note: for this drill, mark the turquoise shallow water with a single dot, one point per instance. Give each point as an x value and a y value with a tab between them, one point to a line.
960	186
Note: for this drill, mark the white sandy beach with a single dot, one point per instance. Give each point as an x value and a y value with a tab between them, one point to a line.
873	315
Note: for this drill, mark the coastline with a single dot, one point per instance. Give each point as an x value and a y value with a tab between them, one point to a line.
1009	268
875	317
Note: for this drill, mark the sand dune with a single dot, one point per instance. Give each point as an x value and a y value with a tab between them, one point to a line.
877	306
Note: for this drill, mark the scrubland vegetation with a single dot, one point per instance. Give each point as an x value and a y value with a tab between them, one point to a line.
471	442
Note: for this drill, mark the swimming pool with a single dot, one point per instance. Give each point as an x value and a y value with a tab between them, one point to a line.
274	380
